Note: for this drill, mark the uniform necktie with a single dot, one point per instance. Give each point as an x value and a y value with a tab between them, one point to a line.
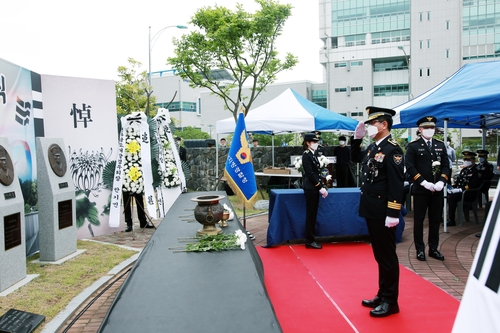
429	144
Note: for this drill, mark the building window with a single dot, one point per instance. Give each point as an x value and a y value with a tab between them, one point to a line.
447	53
447	25
420	43
428	16
356	63
390	36
428	72
339	90
421	71
355	40
356	114
340	64
428	43
390	90
319	97
421	16
389	65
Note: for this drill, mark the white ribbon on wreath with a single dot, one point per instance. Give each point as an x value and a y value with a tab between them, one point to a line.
163	121
138	121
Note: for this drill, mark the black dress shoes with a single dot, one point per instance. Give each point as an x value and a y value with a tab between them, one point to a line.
371	303
384	309
129	229
148	226
450	223
421	255
436	255
313	245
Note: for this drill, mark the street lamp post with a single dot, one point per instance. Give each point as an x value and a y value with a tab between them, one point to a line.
152	41
409	71
400	47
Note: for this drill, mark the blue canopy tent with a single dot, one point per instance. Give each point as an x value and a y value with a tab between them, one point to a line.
470	98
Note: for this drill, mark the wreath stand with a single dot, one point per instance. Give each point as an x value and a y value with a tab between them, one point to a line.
137	204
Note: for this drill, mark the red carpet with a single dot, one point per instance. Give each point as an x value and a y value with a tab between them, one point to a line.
321	291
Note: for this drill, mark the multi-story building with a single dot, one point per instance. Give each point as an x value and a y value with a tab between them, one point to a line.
376	52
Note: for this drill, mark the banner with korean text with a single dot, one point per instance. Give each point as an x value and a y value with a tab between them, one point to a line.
239	172
83	112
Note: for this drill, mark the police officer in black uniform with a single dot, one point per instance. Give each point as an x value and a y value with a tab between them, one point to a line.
468	178
380	202
485	171
313	186
428	165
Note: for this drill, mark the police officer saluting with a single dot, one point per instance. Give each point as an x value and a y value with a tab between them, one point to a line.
380	203
428	165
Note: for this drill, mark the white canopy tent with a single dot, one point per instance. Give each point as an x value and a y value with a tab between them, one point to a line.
289	112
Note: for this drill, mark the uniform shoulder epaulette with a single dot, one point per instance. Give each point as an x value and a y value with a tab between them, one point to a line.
307	151
416	139
393	142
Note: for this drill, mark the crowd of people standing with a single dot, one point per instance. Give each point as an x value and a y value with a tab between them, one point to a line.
426	165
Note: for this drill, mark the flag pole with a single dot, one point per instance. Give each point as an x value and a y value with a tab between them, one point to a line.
244	218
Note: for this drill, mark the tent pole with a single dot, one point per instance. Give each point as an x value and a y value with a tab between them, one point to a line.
272	138
445	188
484	130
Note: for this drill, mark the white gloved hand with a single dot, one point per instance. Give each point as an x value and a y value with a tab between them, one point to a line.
406	183
360	131
324	192
328	178
438	186
391	221
456	190
427	185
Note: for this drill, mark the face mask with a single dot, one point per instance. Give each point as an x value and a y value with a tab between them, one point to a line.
341	143
467	163
314	145
428	132
481	160
372	131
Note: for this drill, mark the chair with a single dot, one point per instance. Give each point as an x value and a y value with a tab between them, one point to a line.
483	195
464	206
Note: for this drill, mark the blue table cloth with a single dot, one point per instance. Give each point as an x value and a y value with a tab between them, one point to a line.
337	215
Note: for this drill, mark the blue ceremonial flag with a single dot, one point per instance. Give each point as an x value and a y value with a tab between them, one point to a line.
239	171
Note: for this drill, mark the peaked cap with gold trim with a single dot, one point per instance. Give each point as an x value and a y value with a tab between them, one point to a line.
375	112
429	121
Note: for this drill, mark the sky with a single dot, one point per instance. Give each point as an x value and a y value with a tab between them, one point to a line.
91	38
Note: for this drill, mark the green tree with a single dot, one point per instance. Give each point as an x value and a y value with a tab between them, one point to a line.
133	92
239	42
190	132
267	139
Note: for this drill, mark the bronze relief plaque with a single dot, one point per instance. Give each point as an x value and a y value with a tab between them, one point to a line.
57	160
6	167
